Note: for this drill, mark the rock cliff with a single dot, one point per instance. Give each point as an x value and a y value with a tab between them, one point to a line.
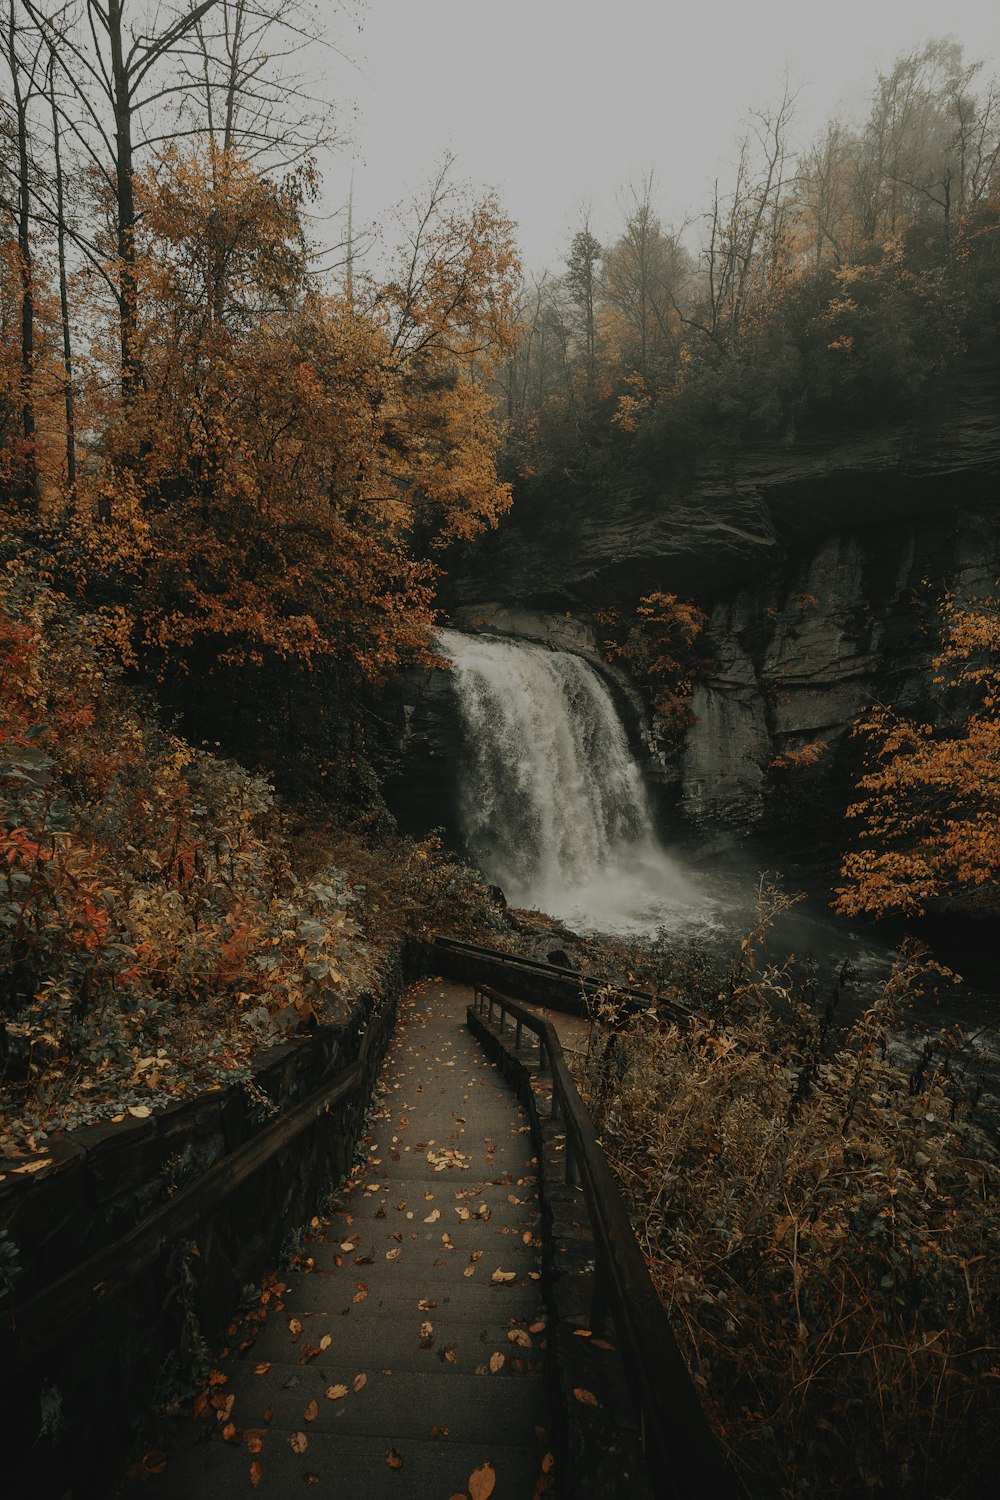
819	562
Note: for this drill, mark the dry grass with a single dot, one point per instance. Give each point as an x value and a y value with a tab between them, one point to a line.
824	1229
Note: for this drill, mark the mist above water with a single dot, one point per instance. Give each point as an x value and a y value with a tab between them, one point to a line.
552	802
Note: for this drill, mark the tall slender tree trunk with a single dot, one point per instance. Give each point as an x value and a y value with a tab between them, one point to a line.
26	392
69	395
128	283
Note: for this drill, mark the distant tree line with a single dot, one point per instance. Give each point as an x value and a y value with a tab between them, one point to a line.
839	279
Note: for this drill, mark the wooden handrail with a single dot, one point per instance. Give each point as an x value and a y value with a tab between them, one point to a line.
39	1322
684	1457
584	985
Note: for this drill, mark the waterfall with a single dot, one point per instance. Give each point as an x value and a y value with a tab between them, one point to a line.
552	802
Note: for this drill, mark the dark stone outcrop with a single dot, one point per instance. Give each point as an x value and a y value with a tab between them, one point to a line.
736	516
819	561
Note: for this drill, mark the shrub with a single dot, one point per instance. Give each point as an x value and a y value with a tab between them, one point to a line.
822	1226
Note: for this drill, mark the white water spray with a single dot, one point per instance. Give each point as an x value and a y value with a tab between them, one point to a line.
552	801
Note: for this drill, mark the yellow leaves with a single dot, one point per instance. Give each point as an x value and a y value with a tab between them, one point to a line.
298	1442
336	1392
393	1458
585	1397
502	1276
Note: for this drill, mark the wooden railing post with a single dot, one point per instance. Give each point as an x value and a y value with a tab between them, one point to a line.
599	1299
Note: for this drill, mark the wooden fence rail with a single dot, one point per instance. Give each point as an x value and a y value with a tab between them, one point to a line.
682	1452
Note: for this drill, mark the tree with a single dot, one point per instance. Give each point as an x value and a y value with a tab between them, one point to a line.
117	62
643	274
582	282
22	58
929	804
250	88
746	258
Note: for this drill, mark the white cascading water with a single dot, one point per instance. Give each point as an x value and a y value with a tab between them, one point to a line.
552	801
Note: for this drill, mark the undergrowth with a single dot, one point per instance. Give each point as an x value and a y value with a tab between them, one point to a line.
162	915
822	1224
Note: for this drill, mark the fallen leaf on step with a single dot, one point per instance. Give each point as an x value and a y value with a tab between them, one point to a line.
482	1483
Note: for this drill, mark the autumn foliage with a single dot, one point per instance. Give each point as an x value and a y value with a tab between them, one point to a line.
661	644
820	1219
928	808
153	933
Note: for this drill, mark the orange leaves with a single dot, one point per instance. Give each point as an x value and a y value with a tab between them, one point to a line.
929	804
482	1482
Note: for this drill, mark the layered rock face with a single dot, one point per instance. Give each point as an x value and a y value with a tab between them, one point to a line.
799	653
819	562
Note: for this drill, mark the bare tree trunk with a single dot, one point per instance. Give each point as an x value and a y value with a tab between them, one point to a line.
26	392
69	396
128	286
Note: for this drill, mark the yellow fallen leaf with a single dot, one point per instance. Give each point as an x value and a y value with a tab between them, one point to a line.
262	1369
499	1275
518	1336
496	1362
393	1254
469	1271
298	1442
294	1327
547	1463
393	1459
586	1397
336	1392
255	1473
311	1412
360	1381
139	1111
326	1341
433	1216
482	1483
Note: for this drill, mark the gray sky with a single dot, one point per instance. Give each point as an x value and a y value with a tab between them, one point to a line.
560	102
